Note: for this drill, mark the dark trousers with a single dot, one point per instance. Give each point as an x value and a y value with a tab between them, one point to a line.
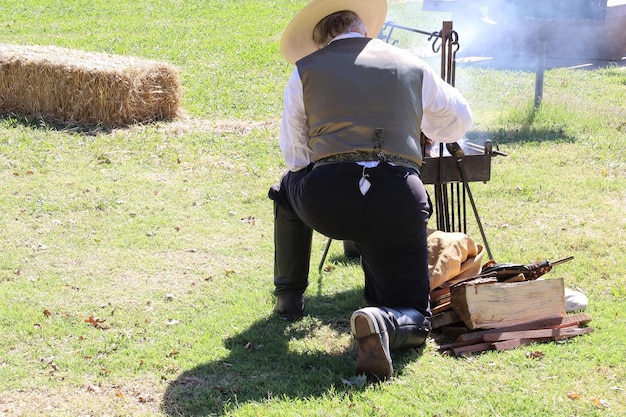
387	225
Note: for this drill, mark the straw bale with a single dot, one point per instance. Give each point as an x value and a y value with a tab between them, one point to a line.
86	88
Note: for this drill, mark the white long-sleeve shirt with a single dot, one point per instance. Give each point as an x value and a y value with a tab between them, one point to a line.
446	115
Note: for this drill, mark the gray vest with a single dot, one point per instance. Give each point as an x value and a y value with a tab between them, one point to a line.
363	95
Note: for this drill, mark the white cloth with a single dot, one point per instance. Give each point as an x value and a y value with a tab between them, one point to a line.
575	301
446	115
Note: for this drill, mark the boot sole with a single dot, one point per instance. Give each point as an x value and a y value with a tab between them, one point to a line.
372	359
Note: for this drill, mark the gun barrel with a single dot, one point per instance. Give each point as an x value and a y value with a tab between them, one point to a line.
560	261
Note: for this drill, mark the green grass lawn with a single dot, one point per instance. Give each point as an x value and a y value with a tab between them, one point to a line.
136	265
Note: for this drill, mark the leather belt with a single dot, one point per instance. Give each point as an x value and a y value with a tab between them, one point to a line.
367	156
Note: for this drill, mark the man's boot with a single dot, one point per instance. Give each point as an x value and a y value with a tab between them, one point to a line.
292	253
379	330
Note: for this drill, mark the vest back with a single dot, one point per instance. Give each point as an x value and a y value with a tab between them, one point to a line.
362	94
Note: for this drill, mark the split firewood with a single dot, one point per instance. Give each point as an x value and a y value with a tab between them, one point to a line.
496	305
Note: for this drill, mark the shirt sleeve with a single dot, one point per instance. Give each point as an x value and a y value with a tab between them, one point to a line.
446	114
294	134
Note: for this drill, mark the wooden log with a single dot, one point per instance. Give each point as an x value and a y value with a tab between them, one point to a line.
496	305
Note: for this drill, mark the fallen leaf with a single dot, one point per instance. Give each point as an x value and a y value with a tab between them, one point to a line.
97	322
600	403
119	394
573	395
174	352
229	272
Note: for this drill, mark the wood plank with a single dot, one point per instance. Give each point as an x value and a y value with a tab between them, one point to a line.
534	334
441	308
496	305
460	348
478	335
515	343
444	319
577	332
438	293
479	347
572	319
450	346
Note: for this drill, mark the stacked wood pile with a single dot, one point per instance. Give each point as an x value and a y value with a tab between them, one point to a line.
482	314
86	88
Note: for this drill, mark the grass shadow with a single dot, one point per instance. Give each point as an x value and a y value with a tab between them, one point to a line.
263	365
39	122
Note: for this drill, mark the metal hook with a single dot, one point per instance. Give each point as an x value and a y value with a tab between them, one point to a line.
436	35
453	39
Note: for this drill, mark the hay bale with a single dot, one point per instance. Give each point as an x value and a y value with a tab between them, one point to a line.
86	88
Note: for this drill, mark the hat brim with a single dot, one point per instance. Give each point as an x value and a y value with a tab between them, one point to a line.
297	40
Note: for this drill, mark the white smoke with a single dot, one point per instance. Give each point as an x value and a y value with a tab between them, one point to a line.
580	29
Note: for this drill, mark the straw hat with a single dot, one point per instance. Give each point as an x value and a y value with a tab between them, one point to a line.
297	41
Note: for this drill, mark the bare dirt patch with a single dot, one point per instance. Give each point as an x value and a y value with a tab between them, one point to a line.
134	398
186	124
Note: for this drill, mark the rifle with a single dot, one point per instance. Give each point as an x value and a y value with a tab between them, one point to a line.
503	272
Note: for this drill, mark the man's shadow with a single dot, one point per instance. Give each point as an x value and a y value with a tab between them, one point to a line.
264	364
